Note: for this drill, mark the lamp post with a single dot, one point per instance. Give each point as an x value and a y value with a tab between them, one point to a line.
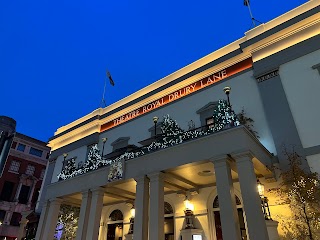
155	120
133	213
227	91
104	142
189	208
65	155
264	201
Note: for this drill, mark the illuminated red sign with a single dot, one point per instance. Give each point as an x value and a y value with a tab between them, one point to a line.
205	82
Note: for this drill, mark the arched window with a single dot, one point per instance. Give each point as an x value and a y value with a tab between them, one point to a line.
168	208
216	202
116	215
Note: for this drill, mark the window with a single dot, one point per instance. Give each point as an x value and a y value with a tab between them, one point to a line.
15	219
120	143
35	152
30	170
116	215
210	122
43	171
35	195
14	167
21	147
24	194
7	190
206	112
2	215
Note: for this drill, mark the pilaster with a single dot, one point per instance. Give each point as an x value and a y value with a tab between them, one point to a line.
140	230
51	218
96	205
256	225
227	202
84	215
156	206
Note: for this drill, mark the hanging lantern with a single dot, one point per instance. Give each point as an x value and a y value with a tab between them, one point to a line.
260	188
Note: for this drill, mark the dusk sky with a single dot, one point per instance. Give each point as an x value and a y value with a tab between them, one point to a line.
54	54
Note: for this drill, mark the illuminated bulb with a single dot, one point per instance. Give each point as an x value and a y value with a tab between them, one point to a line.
188	205
132	212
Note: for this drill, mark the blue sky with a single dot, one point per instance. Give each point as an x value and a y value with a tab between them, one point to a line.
54	54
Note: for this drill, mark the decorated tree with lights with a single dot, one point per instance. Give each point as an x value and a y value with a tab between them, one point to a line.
301	190
94	159
68	168
171	132
67	222
224	116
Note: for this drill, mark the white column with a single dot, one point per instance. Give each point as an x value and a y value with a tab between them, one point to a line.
227	202
43	217
16	196
140	229
32	191
7	217
156	225
51	219
257	229
84	214
93	222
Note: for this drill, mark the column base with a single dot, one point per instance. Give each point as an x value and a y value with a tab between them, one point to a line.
187	234
128	237
272	229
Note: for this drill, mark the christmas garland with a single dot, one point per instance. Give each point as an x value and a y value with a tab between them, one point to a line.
223	116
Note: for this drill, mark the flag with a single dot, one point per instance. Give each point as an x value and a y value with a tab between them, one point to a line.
110	78
246	2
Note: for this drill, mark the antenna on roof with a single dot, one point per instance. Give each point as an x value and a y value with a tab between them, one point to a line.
103	101
247	4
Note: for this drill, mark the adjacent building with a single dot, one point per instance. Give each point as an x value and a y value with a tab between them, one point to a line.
171	161
23	171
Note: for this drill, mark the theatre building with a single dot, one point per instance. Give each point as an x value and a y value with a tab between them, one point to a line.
174	160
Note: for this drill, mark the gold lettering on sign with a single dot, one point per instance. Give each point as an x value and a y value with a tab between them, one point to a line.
189	89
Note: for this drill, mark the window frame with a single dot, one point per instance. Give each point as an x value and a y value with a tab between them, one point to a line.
12	166
34	169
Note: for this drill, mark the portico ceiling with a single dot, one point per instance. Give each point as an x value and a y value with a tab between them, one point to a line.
180	179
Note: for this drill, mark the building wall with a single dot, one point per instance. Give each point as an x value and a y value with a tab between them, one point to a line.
12	207
184	110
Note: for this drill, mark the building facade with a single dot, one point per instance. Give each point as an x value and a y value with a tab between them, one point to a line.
21	179
172	150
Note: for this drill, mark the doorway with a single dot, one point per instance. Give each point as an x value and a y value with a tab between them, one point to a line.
217	220
115	226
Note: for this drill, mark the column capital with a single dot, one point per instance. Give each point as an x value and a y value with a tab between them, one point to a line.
141	179
55	201
243	156
222	160
85	193
156	176
97	191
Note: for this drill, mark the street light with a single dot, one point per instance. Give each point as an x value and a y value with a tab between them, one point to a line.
155	120
264	201
65	155
104	142
189	208
227	91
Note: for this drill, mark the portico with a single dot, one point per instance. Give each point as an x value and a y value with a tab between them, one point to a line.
232	157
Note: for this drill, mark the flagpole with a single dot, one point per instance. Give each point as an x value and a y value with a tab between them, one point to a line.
103	101
252	18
